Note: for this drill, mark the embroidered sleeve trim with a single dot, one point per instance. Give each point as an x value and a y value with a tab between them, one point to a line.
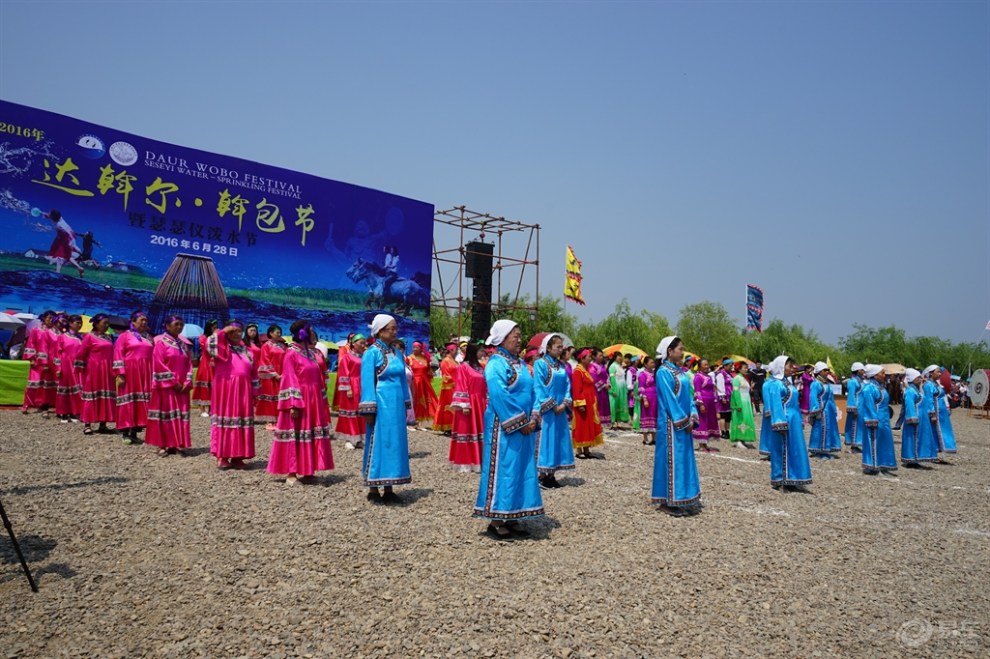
515	423
370	407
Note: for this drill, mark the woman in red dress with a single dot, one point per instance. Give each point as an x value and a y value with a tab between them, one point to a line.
587	430
350	424
204	372
270	371
424	398
469	404
443	420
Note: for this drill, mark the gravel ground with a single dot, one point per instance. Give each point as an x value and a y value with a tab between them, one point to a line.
141	556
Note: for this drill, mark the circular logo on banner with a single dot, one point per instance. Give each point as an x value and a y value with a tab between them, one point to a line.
123	153
91	145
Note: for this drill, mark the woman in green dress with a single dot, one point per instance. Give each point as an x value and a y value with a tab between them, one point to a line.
743	428
617	392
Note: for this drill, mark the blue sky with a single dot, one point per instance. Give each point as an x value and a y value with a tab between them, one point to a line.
835	153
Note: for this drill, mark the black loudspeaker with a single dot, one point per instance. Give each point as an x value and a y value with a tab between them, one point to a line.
481	305
478	259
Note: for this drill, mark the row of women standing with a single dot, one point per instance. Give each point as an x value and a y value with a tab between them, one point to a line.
91	377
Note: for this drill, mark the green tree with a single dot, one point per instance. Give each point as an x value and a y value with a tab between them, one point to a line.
643	330
803	346
707	330
547	316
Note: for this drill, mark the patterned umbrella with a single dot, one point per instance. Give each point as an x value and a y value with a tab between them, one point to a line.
625	349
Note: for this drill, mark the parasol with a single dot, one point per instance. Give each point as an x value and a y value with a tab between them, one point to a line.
537	340
893	369
10	322
625	349
192	331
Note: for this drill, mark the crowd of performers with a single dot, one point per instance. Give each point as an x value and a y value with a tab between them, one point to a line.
515	418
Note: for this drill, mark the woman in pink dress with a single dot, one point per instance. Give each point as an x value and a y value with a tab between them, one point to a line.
235	384
68	398
41	377
253	342
704	400
350	424
469	404
599	374
203	381
270	371
132	358
168	413
302	435
648	401
94	366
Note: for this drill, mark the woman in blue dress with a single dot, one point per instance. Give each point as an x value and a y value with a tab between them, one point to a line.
676	486
552	403
384	401
853	386
824	441
946	436
509	489
917	440
790	469
879	456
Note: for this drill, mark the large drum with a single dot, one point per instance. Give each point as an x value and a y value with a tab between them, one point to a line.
979	388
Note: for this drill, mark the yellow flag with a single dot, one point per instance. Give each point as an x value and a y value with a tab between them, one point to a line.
572	288
572	265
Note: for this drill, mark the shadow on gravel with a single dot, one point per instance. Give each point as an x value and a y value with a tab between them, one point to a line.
194	452
419	454
36	550
332	479
571	481
415	494
538	529
55	487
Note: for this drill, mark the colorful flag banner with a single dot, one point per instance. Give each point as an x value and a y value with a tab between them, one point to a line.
572	265
572	277
754	308
572	288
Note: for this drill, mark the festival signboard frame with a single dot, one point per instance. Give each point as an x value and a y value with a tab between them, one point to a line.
166	229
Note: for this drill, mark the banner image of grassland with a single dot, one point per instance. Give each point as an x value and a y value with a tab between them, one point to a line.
98	220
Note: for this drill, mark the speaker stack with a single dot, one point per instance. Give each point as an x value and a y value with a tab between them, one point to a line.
478	262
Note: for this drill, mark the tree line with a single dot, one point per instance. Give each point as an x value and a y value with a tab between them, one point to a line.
708	330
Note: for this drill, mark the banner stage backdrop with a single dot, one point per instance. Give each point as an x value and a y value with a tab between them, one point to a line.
169	229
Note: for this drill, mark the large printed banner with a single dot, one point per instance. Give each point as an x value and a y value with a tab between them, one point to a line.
97	220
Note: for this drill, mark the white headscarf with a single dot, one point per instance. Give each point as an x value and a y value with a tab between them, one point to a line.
929	369
664	346
911	375
546	341
380	321
857	367
777	367
499	331
819	367
872	370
